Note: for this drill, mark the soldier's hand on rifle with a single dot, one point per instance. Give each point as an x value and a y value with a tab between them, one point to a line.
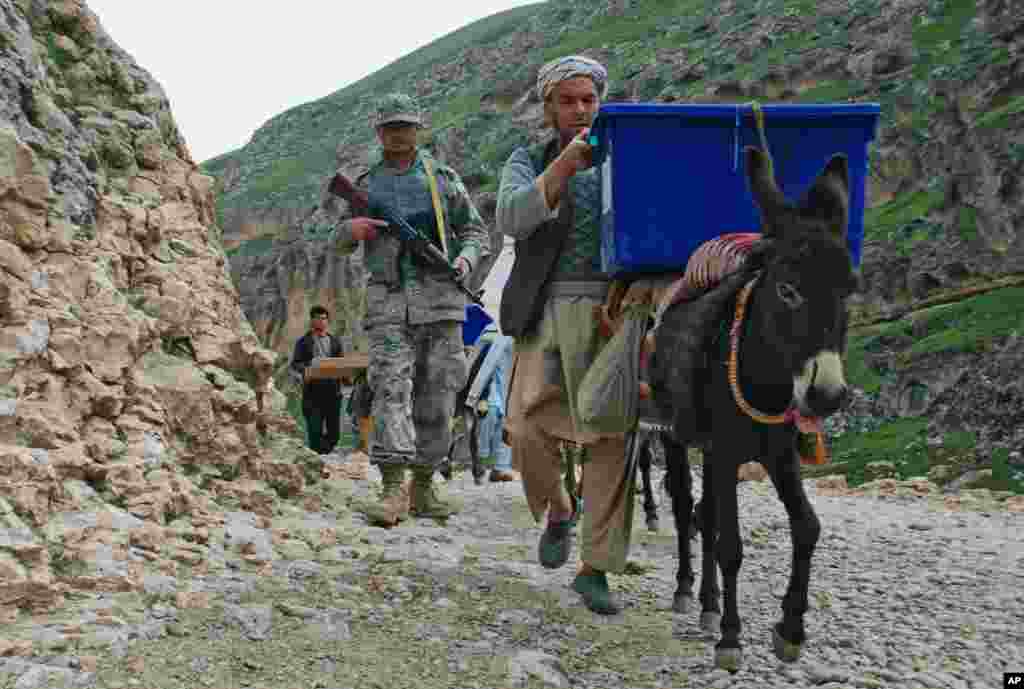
366	228
462	269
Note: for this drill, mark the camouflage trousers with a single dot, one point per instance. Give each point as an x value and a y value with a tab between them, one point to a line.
415	372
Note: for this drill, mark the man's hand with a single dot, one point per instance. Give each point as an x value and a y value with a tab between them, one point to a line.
575	157
462	269
578	154
366	228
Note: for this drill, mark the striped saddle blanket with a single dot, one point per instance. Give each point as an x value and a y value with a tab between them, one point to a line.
709	263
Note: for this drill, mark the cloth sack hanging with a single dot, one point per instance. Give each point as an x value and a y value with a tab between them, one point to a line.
609	394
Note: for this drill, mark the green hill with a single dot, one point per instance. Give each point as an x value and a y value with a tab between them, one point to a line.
946	188
286	160
771	50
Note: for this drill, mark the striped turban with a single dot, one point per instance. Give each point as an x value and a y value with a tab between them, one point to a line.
564	68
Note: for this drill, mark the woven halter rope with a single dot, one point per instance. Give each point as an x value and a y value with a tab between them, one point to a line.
734	358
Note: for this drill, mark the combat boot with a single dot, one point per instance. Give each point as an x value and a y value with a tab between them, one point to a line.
425	501
393	506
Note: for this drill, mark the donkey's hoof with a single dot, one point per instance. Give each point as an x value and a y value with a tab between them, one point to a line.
710	621
653	524
729	659
682	602
786	651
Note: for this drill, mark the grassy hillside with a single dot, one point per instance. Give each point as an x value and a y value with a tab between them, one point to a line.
287	158
969	326
945	194
779	50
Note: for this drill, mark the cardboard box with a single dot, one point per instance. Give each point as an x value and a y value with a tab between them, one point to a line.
339	367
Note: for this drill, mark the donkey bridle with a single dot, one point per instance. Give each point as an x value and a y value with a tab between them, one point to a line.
791	414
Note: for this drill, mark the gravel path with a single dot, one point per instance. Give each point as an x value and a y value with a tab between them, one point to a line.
903	595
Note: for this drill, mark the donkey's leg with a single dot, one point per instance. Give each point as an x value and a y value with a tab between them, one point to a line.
473	428
788	635
680	489
707	522
650	507
729	551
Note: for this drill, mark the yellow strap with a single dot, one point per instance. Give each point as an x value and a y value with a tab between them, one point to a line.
759	120
438	210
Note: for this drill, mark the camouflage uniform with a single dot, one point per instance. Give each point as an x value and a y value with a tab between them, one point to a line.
414	313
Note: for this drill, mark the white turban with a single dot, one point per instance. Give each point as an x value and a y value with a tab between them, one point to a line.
564	68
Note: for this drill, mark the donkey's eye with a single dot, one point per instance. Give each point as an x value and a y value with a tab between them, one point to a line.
789	294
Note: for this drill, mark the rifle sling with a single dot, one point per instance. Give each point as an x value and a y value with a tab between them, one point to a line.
438	209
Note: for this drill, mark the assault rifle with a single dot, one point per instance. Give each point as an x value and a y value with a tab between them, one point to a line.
398	227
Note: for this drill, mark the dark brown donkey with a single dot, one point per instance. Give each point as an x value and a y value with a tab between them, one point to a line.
787	364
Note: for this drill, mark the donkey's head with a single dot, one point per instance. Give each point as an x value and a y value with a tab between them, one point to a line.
806	281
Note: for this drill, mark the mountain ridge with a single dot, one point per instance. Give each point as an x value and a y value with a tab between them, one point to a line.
944	192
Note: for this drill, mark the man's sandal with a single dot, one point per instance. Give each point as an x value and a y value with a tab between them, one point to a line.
556	541
593	586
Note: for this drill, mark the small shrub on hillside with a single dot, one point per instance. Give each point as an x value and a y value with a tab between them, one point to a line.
999	118
1005	476
253	247
899	219
280	175
971	325
900	441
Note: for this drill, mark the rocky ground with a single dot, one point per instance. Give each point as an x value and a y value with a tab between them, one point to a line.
909	589
161	525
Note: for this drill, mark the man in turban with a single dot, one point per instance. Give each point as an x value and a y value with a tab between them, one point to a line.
549	202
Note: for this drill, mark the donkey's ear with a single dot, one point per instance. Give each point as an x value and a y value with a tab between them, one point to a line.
762	185
838	168
829	196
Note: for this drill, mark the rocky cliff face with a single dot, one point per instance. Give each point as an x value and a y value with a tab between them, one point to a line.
278	287
133	392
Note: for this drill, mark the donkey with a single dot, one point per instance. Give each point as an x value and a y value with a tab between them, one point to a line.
645	459
788	366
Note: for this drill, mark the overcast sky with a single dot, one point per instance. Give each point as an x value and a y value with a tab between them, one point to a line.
230	65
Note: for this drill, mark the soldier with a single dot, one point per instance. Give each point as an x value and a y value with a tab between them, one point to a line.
548	201
414	312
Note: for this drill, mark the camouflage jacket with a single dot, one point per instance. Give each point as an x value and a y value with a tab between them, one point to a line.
402	289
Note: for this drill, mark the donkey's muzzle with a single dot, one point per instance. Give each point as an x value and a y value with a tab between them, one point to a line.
824	400
821	388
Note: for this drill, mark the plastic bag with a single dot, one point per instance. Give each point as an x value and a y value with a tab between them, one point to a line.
609	394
